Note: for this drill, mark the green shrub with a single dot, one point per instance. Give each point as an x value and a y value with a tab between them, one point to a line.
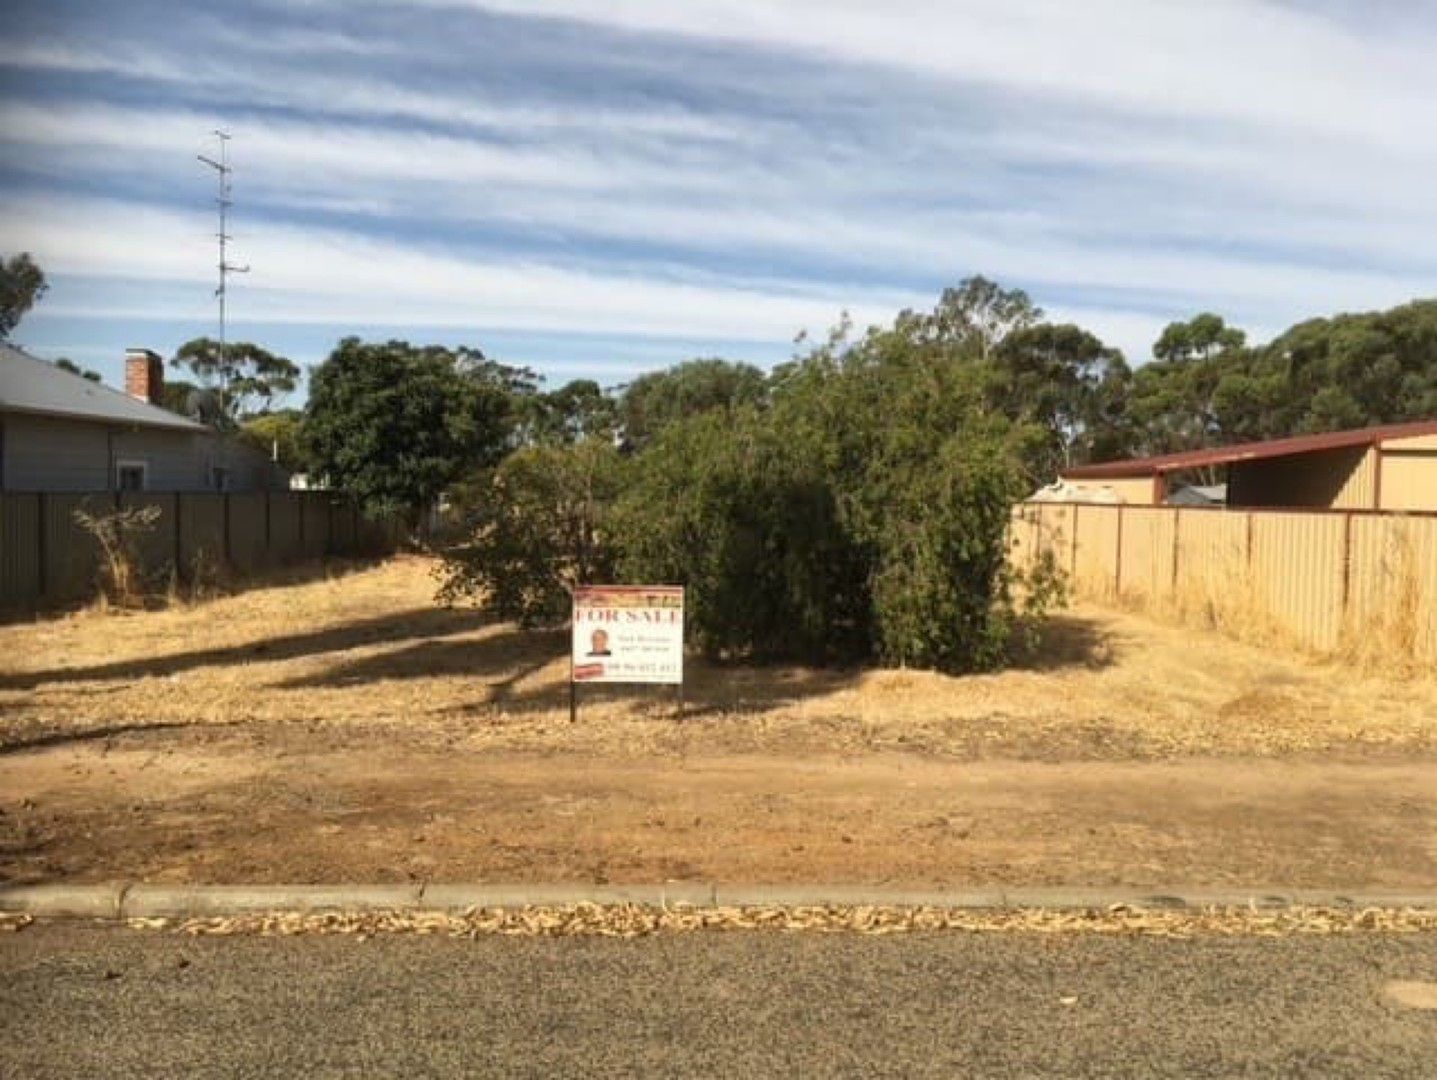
533	527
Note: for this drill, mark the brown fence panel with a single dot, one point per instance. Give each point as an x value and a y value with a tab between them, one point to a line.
157	546
72	554
314	507
343	526
202	532
286	540
248	530
20	565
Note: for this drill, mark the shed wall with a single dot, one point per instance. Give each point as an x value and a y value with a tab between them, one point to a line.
1409	476
1343	479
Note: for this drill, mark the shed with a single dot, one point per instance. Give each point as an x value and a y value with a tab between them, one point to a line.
1390	467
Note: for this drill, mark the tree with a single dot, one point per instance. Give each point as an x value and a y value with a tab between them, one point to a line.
66	364
1066	385
397	424
654	401
1175	402
974	318
534	528
22	283
181	396
280	436
572	413
247	378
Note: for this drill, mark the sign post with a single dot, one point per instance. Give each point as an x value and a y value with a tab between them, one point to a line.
626	634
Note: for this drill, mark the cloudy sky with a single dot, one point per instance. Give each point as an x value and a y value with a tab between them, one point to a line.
598	187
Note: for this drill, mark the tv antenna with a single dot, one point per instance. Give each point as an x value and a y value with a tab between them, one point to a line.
222	170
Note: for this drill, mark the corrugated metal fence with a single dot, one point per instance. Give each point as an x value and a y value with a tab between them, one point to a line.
47	558
1359	583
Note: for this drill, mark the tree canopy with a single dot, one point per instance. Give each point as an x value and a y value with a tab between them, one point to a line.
397	424
22	283
246	378
654	401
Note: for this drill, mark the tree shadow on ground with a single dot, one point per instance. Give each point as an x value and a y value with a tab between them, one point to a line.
422	622
497	661
1068	641
503	659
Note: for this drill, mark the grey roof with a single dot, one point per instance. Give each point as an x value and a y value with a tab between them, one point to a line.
32	385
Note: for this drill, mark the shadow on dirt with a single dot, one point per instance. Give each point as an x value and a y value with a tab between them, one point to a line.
424	622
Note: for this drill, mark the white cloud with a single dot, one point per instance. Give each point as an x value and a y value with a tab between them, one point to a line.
332	277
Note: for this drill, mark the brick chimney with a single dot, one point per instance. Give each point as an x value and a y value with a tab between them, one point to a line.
144	375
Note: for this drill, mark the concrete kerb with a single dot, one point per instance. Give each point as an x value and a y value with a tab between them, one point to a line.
117	901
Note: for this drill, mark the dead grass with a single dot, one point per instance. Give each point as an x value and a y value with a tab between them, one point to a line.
370	649
633	921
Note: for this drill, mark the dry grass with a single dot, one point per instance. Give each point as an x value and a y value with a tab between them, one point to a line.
371	649
631	921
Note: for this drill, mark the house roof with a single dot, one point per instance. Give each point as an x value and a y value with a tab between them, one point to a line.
31	385
1229	455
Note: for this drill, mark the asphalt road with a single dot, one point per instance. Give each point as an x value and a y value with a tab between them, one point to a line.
84	1000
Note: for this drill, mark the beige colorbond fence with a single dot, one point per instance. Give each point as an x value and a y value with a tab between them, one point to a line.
47	559
1359	583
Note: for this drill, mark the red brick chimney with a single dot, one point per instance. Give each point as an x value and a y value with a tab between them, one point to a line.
144	375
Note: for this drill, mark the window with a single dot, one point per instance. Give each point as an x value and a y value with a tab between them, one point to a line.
131	475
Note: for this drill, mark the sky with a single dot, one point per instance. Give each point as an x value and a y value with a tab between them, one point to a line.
597	189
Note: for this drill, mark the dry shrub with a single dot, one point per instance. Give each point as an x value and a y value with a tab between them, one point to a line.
1389	634
117	534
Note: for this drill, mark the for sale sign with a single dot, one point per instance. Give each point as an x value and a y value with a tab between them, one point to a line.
629	634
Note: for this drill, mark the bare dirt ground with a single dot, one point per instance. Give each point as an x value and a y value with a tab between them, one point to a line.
347	729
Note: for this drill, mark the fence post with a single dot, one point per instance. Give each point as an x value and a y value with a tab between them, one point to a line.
1073	558
1177	543
1118	558
1346	563
178	498
42	546
225	518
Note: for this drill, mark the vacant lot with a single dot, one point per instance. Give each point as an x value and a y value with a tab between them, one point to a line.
346	728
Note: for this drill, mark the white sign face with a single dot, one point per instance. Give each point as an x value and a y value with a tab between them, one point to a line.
628	633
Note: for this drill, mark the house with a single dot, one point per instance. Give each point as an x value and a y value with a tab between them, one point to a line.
61	432
1392	467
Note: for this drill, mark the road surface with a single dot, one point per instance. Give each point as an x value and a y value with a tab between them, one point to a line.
86	1000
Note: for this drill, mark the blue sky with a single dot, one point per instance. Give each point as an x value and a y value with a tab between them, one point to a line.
601	188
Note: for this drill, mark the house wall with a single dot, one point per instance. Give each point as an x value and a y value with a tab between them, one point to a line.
1344	479
53	454
1137	491
44	454
1409	474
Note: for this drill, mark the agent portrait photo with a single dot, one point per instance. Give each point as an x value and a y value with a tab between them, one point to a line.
599	644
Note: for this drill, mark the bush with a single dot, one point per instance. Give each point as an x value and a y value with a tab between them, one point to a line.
721	506
533	528
857	509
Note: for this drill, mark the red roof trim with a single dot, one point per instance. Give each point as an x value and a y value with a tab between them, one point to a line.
1227	455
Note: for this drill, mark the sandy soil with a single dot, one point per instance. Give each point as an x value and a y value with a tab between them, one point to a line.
345	729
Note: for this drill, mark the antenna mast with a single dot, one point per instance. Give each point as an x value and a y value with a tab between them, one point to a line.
222	170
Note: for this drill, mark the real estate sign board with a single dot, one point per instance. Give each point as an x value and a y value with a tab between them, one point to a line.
628	634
